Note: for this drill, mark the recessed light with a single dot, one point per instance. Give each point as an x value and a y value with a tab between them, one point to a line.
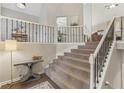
111	6
21	5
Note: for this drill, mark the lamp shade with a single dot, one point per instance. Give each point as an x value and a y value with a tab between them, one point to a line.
21	5
10	45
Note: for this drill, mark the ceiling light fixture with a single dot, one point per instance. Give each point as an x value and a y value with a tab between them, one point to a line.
110	6
21	5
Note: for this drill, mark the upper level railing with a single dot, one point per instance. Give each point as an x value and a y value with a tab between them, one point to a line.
119	28
25	31
71	34
98	58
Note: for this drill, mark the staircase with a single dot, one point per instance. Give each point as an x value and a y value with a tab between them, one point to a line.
84	67
73	69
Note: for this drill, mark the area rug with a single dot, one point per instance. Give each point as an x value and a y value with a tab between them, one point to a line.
43	85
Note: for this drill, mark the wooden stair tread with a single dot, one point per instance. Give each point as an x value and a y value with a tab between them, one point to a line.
74	76
59	79
76	59
92	50
76	67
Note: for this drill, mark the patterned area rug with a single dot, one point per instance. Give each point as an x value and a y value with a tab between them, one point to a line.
43	85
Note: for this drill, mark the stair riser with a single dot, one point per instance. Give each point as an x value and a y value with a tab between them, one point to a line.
87	47
82	51
77	56
73	81
78	72
53	77
77	63
91	43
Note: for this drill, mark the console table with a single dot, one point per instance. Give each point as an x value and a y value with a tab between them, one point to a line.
30	75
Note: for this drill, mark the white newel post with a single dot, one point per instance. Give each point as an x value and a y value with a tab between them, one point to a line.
91	60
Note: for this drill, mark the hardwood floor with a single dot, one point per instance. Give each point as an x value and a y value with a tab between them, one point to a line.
18	85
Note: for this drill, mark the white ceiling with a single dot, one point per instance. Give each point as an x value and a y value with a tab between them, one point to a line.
32	8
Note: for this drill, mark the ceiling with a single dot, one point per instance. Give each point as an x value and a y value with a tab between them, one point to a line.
32	8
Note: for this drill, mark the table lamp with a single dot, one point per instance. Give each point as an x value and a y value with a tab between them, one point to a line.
11	45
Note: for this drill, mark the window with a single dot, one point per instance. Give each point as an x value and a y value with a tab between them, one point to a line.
61	21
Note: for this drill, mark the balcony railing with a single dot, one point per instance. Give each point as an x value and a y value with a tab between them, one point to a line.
25	31
71	34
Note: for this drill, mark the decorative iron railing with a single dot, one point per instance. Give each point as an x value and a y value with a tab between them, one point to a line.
25	31
71	34
98	59
119	28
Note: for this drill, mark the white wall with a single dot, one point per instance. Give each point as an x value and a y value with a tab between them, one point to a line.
19	15
43	14
25	52
53	10
31	8
87	18
116	66
113	74
122	58
100	15
120	47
